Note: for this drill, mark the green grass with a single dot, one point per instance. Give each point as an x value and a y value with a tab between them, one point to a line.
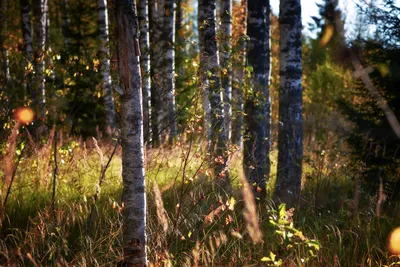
34	235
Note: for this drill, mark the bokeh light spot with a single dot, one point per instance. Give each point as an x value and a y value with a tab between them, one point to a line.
24	115
394	242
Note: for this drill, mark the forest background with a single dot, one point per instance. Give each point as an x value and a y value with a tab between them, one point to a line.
234	172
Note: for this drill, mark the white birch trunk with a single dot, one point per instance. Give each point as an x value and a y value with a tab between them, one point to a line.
158	119
108	98
203	84
168	68
288	182
145	66
225	55
39	95
211	65
134	191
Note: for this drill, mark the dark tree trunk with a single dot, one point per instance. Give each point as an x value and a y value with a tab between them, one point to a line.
288	182
257	104
5	75
27	43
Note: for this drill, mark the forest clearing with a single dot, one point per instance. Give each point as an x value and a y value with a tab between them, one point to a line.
199	133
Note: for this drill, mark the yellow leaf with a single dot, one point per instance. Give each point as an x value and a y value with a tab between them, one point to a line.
327	35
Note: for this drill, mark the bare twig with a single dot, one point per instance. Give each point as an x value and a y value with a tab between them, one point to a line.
362	72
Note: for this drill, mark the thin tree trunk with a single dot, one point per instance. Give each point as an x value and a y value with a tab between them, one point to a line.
108	98
258	104
39	95
156	23
27	43
134	191
225	56
211	65
288	182
145	66
168	68
238	76
203	81
3	35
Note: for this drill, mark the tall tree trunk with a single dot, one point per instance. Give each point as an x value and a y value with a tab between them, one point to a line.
3	35
145	66
288	182
39	94
134	191
156	23
257	104
108	98
27	43
168	68
211	65
238	76
203	81
225	56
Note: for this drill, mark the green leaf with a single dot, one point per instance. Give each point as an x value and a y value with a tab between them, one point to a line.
314	243
265	259
272	255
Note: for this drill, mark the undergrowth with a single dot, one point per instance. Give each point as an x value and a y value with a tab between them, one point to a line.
189	223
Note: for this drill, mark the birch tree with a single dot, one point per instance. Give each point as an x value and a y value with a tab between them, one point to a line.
167	68
211	68
225	52
203	81
108	98
257	104
3	35
145	66
134	190
39	94
288	180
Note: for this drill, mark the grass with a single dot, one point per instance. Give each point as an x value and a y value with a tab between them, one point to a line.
188	223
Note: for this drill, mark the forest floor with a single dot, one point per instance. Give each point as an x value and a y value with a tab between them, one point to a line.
335	224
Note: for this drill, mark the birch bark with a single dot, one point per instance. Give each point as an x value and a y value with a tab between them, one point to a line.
258	104
288	182
212	68
108	98
225	56
134	190
145	66
39	94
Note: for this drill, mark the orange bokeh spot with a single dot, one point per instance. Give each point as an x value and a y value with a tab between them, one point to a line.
394	242
24	115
